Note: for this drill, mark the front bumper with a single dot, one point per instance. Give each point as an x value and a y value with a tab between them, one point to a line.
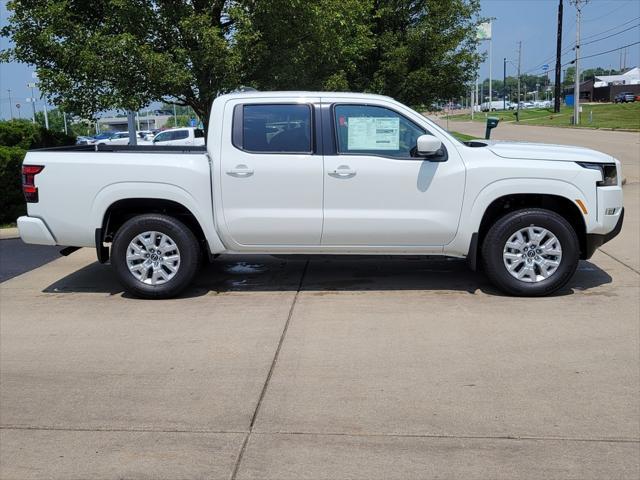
596	240
33	230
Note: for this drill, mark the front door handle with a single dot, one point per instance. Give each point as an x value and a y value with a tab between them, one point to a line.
240	171
343	171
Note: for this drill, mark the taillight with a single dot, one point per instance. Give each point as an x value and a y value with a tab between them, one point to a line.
29	188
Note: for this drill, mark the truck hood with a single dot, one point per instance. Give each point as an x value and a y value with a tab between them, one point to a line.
541	151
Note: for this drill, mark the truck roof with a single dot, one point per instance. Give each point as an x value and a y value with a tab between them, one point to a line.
295	93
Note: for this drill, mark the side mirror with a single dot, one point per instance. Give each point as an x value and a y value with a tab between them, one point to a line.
428	145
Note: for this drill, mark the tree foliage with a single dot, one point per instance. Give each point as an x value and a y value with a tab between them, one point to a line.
94	55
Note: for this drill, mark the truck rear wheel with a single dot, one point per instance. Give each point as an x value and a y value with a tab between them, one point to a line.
155	256
531	252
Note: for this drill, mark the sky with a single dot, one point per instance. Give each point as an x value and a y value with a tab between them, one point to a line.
533	22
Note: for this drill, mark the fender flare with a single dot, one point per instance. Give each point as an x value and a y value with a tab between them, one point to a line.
114	192
473	214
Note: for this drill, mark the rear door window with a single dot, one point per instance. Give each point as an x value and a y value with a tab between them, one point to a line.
280	128
180	134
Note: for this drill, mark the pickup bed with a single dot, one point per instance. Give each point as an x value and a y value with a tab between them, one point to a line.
325	173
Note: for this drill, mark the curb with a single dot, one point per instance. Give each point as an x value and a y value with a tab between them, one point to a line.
9	233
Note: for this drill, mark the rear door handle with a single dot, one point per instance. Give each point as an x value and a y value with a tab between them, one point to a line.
343	171
240	171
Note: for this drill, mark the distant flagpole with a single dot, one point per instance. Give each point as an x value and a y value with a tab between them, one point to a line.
490	66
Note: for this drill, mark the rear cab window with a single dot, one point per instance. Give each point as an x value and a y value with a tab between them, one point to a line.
273	128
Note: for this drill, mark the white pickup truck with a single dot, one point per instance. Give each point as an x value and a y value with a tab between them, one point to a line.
325	173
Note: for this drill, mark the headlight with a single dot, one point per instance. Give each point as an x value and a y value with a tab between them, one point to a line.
608	171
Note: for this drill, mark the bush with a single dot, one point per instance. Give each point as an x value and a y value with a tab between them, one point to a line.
11	199
16	137
27	135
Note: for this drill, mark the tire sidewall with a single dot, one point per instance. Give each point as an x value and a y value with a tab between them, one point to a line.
504	228
183	237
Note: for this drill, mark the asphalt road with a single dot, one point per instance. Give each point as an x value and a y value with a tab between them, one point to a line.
16	257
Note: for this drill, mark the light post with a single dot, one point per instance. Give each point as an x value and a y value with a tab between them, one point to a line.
32	86
10	103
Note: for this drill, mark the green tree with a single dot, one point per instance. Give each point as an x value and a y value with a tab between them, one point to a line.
123	54
112	54
425	50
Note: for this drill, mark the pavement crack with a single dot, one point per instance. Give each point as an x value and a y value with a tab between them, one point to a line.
620	261
117	430
256	411
462	437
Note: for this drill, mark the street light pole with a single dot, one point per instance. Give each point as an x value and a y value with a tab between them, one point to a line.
32	85
504	84
10	103
46	115
519	63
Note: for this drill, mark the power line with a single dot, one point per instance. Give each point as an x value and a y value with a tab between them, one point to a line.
571	46
612	28
606	14
602	53
609	36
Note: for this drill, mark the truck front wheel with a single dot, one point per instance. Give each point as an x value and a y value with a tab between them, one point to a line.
155	256
530	252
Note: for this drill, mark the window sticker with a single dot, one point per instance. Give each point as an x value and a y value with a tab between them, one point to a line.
373	133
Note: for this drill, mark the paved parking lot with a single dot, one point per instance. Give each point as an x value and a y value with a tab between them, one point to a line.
367	368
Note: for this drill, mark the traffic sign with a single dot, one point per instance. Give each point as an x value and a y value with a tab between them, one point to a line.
545	67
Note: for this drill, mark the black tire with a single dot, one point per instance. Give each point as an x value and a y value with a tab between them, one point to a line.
182	236
497	236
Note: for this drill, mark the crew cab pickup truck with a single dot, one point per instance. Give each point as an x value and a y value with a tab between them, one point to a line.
325	173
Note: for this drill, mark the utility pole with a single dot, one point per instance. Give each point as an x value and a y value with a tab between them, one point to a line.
10	103
175	118
64	119
504	84
576	88
556	103
519	64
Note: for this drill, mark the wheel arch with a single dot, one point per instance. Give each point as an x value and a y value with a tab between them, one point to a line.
505	204
115	203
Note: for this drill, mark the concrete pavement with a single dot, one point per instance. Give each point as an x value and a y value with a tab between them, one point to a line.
325	368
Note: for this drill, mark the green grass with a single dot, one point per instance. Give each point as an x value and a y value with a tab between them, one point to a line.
614	116
8	225
463	137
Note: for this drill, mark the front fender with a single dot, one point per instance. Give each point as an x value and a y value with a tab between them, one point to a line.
474	209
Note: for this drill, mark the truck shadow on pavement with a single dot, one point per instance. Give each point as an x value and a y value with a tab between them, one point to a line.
264	273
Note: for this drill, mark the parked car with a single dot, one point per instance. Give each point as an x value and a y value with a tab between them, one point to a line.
116	138
83	140
326	173
180	136
102	136
625	97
